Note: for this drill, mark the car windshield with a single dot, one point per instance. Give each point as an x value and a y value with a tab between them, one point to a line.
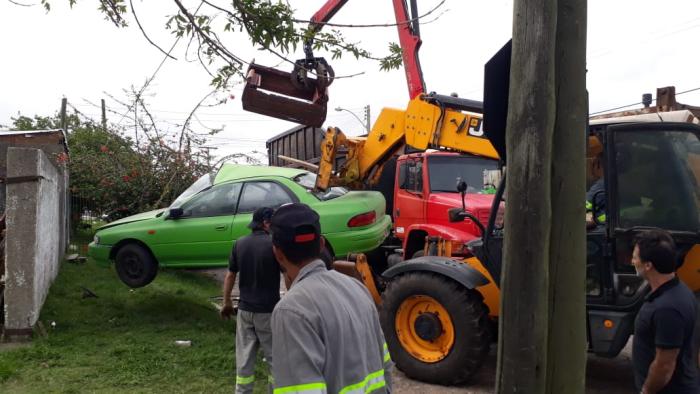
202	183
308	180
444	171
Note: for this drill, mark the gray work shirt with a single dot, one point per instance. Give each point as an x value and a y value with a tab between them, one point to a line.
326	337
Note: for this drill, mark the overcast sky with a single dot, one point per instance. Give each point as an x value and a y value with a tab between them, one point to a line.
633	48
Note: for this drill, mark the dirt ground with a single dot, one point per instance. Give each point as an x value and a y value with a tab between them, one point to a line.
603	375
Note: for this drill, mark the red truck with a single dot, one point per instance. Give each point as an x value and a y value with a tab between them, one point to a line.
419	188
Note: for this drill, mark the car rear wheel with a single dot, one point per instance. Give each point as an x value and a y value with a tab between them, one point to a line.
437	330
135	265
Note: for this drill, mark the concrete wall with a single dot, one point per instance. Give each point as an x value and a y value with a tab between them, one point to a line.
33	247
52	143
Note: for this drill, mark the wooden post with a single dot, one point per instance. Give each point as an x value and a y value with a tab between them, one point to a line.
566	357
542	324
104	115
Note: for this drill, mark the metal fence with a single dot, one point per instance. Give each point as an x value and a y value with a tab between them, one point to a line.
85	217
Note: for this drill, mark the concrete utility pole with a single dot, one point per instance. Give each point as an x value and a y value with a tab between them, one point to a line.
104	115
64	124
542	341
368	118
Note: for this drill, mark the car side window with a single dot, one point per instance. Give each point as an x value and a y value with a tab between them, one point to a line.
220	200
262	194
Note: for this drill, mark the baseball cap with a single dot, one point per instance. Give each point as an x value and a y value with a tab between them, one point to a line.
295	224
259	216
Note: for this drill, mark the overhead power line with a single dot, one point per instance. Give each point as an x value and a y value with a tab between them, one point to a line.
633	104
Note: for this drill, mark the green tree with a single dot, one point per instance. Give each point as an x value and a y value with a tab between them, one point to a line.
270	25
112	173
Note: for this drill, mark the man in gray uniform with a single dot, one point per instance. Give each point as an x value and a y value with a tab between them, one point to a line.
259	283
327	337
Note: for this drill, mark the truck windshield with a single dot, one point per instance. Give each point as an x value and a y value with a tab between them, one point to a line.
444	171
200	184
308	180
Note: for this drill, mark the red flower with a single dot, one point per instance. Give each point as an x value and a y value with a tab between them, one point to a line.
62	158
104	149
126	178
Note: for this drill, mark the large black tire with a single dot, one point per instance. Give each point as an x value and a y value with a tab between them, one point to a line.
469	317
135	266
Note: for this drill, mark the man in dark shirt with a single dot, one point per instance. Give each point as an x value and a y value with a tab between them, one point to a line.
259	283
663	331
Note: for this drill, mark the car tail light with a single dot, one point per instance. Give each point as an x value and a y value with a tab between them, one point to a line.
362	219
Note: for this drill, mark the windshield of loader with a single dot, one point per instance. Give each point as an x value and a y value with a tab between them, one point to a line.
657	179
444	171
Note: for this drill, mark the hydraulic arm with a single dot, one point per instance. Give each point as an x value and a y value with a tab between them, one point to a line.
430	121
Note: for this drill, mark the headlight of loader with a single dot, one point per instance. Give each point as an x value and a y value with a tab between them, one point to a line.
96	239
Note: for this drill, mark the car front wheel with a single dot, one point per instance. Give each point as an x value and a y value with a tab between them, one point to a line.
135	266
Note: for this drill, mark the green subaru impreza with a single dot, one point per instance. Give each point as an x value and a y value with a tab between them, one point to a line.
201	225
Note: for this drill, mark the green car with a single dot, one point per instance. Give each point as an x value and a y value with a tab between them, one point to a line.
201	225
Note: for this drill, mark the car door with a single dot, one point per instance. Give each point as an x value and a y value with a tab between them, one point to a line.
202	236
650	182
259	194
410	202
653	183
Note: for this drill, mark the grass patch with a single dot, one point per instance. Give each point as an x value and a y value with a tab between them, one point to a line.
124	339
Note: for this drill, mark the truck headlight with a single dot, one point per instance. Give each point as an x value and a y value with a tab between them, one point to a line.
96	239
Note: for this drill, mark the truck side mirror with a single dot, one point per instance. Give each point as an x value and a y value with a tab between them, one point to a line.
455	215
462	189
461	185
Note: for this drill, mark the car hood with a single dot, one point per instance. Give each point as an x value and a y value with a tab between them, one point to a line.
134	218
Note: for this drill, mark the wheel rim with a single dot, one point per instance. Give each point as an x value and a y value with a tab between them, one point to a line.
132	266
424	328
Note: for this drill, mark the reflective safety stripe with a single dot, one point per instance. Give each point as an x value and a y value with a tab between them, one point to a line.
601	218
589	206
372	382
245	379
308	388
387	356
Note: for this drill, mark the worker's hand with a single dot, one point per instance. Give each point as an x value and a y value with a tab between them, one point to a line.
227	311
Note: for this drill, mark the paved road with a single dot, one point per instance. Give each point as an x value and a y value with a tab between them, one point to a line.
603	375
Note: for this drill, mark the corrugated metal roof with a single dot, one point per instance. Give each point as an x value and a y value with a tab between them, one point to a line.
20	132
35	134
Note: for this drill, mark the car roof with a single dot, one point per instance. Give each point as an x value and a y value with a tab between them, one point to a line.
232	172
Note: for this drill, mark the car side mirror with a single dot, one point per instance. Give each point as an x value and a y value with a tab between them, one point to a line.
175	213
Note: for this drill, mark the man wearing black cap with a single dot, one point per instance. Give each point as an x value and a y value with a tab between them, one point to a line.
327	333
259	283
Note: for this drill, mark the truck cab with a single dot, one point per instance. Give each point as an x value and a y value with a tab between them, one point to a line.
424	189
